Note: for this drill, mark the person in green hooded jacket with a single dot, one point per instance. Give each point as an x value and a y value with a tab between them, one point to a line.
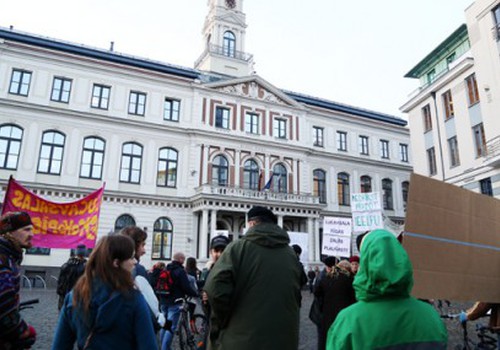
254	289
386	316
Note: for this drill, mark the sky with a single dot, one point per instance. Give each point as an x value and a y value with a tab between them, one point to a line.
350	52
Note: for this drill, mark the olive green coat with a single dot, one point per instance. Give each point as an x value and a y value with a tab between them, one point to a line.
254	292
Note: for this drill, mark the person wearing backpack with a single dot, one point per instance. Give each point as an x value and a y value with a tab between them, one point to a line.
71	271
174	285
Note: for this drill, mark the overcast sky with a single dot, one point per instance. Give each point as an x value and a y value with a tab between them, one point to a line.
351	52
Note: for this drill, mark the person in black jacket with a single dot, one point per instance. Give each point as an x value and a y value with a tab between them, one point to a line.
70	273
179	289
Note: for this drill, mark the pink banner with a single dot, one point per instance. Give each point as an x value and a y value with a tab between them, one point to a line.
56	225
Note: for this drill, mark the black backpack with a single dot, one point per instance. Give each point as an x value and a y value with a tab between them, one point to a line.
70	273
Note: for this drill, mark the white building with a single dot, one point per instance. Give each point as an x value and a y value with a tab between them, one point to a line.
185	152
453	114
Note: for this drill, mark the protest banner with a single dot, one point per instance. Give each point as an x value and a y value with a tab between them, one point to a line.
453	241
56	225
366	211
337	237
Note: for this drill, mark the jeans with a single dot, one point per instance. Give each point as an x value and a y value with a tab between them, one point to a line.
172	313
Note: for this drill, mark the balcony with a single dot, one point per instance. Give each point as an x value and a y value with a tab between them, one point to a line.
229	193
222	51
493	152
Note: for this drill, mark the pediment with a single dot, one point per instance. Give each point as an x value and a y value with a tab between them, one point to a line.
256	88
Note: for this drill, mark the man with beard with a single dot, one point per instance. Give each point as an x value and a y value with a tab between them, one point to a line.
16	232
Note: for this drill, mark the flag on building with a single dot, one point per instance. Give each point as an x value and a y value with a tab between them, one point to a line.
269	183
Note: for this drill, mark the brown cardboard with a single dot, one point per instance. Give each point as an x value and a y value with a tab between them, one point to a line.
465	268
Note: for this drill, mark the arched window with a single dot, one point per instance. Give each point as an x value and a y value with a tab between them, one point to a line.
163	231
220	171
51	153
366	184
343	189
92	158
319	185
280	177
131	163
123	221
405	188
251	175
167	168
10	145
387	194
229	44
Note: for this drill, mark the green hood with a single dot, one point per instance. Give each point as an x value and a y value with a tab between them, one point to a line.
267	235
385	270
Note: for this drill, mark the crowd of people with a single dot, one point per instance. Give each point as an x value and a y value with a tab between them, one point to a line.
250	291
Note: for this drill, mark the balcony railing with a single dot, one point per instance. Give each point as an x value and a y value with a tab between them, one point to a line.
221	51
241	193
493	151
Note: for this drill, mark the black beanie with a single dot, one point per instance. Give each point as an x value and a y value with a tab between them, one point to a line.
13	221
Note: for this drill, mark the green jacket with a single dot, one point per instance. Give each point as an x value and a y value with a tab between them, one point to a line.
254	292
386	316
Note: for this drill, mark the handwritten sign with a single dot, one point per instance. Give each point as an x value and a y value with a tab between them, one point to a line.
337	236
366	211
56	225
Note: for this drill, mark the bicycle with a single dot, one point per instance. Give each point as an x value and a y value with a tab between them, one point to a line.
192	329
486	341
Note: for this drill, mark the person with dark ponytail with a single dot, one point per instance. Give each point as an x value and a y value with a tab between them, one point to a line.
105	310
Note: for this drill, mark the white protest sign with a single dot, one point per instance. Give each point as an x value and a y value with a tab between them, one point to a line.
362	202
337	236
367	221
366	211
302	239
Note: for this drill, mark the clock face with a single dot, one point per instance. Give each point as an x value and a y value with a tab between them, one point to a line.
231	3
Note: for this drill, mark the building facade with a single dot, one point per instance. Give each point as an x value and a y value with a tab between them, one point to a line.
452	115
185	153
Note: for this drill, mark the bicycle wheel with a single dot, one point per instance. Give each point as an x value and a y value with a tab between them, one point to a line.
184	337
199	329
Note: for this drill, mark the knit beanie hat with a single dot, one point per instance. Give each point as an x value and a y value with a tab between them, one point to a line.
13	221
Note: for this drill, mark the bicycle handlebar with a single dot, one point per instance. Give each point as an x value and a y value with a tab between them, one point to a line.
27	303
450	316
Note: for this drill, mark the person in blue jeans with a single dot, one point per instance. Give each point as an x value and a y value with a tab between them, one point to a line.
179	289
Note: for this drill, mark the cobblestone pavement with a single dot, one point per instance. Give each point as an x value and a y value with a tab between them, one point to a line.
44	318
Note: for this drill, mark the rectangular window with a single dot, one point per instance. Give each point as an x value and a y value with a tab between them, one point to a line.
317	136
453	147
450	58
426	114
222	117
279	128
479	140
363	145
486	187
137	103
20	82
403	152
431	76
342	141
171	110
100	96
431	159
448	105
252	123
61	89
496	16
384	149
472	91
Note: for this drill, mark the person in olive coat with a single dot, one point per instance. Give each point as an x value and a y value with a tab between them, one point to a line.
254	289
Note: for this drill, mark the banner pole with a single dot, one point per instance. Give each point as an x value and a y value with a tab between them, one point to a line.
6	193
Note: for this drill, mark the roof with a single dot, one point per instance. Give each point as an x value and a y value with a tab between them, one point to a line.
439	52
105	55
334	106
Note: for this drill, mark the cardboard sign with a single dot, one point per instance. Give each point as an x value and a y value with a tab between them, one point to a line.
452	236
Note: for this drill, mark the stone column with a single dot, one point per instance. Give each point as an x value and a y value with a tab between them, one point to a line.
204	235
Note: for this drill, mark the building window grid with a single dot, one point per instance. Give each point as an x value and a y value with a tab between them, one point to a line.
384	149
10	146
342	141
496	17
137	103
363	145
280	176
426	114
163	231
229	44
479	140
343	189
279	128
366	184
124	220
222	117
453	148
167	168
51	153
318	136
171	110
319	185
92	158
403	152
130	170
486	187
61	90
20	82
472	90
252	123
220	171
387	194
251	175
405	188
448	105
100	96
431	160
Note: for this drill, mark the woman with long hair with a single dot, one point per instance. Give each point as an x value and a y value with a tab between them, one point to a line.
104	310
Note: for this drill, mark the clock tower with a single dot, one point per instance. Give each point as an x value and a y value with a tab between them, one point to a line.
224	37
